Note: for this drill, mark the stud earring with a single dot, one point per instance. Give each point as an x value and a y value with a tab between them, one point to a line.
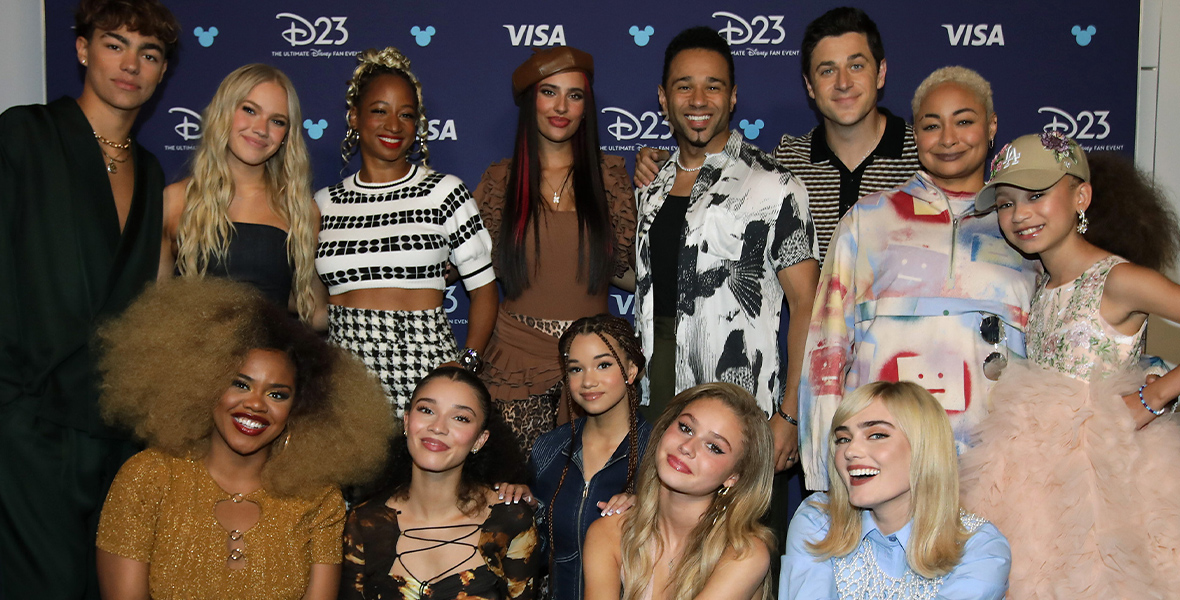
83	62
1083	222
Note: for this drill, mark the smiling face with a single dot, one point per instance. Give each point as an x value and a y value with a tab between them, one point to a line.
844	78
698	98
595	380
700	450
444	424
1036	221
123	67
952	130
386	118
260	124
253	411
561	104
873	459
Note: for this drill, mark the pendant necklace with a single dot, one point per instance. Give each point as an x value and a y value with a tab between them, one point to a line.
112	167
557	192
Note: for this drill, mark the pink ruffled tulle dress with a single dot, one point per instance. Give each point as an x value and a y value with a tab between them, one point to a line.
1090	506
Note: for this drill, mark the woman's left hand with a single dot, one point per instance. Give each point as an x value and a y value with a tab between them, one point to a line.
512	493
617	504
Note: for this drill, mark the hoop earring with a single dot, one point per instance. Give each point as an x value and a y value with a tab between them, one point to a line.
991	143
1083	222
721	494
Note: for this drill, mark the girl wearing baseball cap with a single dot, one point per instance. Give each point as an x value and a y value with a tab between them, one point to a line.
1075	463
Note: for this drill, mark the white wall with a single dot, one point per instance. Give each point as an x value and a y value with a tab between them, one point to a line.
22	44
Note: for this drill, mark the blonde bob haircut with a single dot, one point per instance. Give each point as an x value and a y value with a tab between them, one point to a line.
167	360
732	520
205	229
961	76
936	544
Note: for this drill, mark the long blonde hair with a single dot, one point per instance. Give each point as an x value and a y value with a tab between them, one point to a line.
205	228
731	521
936	545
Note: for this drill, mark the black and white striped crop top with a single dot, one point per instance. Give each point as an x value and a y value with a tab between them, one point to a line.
400	234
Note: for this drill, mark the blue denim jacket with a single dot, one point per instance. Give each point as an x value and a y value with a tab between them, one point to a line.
576	507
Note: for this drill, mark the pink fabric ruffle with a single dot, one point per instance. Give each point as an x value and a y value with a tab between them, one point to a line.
1090	506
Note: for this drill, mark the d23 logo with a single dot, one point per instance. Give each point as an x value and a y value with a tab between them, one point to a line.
740	31
186	129
1079	127
536	35
628	127
326	31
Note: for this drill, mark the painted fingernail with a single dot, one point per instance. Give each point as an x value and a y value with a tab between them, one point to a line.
501	496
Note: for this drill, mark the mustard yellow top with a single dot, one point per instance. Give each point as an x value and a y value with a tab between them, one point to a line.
160	511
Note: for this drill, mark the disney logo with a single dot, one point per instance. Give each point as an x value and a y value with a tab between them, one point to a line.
739	31
303	32
186	129
628	127
1070	124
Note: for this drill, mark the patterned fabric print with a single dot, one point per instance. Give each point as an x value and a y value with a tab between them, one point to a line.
909	277
508	543
891	164
401	234
747	220
553	327
532	417
399	346
1067	333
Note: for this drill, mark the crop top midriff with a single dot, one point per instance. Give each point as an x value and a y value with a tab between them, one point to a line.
400	234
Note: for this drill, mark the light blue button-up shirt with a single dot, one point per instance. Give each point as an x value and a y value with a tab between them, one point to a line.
982	574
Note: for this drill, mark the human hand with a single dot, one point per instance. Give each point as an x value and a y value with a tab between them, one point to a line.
647	164
513	493
617	504
786	443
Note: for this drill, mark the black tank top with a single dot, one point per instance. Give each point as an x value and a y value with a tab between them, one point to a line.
258	256
665	233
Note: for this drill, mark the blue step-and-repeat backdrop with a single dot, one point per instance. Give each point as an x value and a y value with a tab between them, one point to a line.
1065	65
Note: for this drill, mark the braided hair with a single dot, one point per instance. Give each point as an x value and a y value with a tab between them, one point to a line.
374	63
616	334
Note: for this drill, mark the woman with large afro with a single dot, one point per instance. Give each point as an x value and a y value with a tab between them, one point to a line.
252	422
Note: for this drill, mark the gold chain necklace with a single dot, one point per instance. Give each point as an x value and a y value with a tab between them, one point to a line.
123	146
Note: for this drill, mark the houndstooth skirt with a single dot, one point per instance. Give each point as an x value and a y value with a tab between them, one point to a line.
400	346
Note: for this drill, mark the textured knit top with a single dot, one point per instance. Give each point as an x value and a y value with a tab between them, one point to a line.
160	511
831	187
401	234
1066	332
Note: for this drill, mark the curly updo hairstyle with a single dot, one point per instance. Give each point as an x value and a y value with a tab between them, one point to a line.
168	359
499	460
372	64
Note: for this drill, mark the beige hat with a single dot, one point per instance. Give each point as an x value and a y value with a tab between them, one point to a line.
551	61
1034	162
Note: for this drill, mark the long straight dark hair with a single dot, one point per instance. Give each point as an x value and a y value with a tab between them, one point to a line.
523	203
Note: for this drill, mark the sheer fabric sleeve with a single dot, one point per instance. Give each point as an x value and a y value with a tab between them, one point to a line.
620	200
490	196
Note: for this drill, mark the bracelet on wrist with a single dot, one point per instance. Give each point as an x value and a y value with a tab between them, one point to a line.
786	417
471	360
1146	405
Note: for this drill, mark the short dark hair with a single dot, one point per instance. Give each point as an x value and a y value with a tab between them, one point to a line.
837	22
693	38
146	17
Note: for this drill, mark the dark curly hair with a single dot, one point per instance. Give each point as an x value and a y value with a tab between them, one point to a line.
146	17
1129	215
499	460
167	360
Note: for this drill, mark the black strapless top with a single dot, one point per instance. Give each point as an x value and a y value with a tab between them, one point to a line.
258	256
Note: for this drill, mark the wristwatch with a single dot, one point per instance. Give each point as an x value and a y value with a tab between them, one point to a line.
470	359
788	418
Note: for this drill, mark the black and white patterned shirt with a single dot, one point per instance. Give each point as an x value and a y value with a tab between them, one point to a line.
831	188
747	220
401	234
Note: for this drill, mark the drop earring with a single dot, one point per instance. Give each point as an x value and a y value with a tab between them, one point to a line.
1083	222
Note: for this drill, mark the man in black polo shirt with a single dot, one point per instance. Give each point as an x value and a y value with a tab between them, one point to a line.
859	148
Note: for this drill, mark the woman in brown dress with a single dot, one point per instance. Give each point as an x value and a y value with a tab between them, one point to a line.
562	220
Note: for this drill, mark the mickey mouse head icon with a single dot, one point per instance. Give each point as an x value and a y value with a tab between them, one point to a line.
751	130
422	36
1083	35
642	36
205	37
315	130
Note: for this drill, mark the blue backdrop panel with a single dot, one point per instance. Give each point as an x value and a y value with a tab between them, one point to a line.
1065	65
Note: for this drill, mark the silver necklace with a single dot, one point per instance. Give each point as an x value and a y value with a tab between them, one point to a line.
558	191
696	168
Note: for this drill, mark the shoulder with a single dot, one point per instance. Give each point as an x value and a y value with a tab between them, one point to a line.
612	163
512	519
174	203
811	520
440	180
151	468
755	561
24	118
551	442
606	532
323	194
496	175
795	143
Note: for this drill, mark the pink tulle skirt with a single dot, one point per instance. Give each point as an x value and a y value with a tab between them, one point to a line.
1090	506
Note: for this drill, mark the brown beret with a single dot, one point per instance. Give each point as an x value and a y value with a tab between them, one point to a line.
551	61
